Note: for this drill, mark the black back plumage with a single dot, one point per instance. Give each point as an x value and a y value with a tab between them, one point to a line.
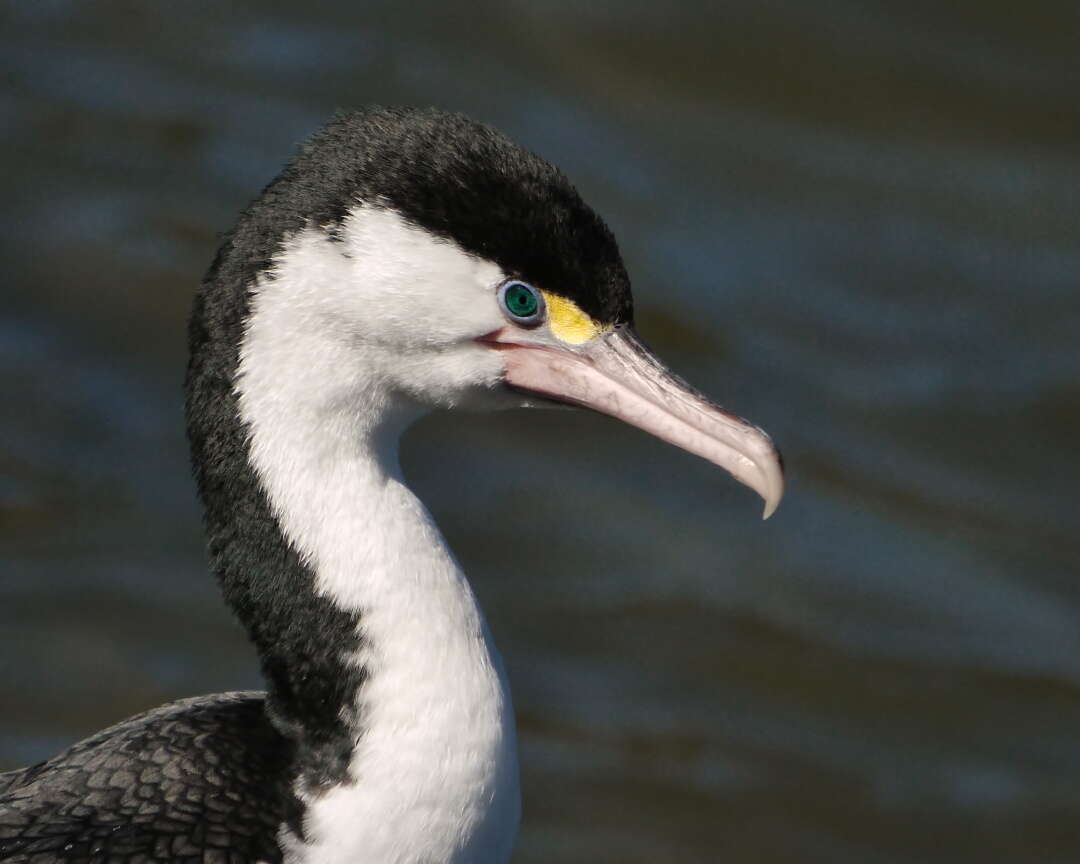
202	780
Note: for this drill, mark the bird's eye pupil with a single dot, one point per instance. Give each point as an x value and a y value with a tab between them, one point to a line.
522	303
521	300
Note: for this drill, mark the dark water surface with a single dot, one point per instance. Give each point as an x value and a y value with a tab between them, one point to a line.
853	222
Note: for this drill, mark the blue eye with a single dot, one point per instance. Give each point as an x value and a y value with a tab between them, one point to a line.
521	303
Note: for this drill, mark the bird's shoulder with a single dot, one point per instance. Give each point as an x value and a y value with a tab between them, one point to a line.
202	779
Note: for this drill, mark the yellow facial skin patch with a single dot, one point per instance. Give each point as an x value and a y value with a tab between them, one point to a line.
568	322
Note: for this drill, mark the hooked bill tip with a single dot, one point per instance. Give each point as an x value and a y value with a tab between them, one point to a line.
772	472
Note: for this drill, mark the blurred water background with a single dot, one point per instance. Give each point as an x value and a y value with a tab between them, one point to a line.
853	222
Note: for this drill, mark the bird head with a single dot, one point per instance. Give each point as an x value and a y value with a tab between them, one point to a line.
456	269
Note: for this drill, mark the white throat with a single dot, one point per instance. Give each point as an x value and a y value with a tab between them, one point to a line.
434	776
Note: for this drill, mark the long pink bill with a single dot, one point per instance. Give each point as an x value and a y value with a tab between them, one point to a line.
617	375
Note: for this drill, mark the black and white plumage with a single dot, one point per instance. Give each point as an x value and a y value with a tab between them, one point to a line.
403	261
173	784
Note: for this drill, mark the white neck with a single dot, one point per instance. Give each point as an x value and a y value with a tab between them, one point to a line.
434	770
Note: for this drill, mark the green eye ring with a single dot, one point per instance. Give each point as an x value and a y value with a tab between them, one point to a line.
521	303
